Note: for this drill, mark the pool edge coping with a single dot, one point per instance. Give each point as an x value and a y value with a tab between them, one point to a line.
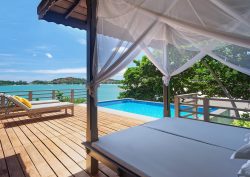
134	115
123	113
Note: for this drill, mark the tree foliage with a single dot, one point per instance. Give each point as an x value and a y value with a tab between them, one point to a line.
242	123
2	82
60	96
144	81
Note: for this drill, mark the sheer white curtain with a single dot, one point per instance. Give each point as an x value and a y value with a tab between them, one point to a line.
174	34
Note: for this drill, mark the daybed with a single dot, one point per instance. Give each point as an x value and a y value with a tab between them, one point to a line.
172	148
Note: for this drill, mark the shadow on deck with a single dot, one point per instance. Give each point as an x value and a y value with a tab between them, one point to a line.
51	145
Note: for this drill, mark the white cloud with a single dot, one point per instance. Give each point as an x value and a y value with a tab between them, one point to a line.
4	64
42	47
49	55
6	54
82	41
62	71
54	71
11	71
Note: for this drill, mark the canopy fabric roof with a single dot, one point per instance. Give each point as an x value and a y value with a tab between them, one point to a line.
67	12
174	34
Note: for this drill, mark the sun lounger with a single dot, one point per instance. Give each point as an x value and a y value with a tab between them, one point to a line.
172	147
38	109
2	99
44	102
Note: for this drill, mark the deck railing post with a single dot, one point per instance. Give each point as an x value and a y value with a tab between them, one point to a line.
72	96
195	106
206	109
30	96
2	101
53	94
177	106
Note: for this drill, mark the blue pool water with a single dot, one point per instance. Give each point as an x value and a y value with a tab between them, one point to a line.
152	109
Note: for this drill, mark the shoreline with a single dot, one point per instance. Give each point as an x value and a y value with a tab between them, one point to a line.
55	84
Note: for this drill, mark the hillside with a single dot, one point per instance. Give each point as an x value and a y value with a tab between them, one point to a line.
40	82
111	81
2	82
66	80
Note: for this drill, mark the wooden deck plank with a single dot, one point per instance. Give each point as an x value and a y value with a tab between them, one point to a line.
23	157
52	161
64	159
40	163
14	167
78	147
52	145
3	165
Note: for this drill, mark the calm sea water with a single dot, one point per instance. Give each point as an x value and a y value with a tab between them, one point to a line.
105	91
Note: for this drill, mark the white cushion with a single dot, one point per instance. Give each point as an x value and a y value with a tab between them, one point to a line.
245	170
221	135
44	102
242	153
52	105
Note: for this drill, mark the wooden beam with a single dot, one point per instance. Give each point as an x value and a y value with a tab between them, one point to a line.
72	8
45	6
92	131
59	19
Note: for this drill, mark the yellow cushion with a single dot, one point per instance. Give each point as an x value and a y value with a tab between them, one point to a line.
18	98
27	103
24	101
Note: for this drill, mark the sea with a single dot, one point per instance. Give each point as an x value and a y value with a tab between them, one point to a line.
105	91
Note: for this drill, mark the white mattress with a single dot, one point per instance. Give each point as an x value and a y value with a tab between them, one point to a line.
147	151
225	136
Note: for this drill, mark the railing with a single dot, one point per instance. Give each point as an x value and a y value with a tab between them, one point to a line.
70	94
210	109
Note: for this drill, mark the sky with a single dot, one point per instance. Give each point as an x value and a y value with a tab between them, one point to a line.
33	49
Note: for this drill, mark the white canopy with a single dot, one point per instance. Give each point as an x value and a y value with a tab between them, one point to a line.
174	34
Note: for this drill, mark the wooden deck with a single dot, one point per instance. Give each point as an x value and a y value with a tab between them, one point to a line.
51	145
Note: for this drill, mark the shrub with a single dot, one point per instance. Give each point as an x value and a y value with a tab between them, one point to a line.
60	96
243	123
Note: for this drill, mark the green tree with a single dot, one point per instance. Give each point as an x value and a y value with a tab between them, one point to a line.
59	95
144	81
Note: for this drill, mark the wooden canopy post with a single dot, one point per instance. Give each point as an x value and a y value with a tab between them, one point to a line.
92	131
166	101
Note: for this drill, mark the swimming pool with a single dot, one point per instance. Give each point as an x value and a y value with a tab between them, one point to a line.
152	109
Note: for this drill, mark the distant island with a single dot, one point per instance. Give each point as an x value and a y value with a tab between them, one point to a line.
66	80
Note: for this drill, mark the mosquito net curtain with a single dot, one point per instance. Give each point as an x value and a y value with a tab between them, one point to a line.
174	34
